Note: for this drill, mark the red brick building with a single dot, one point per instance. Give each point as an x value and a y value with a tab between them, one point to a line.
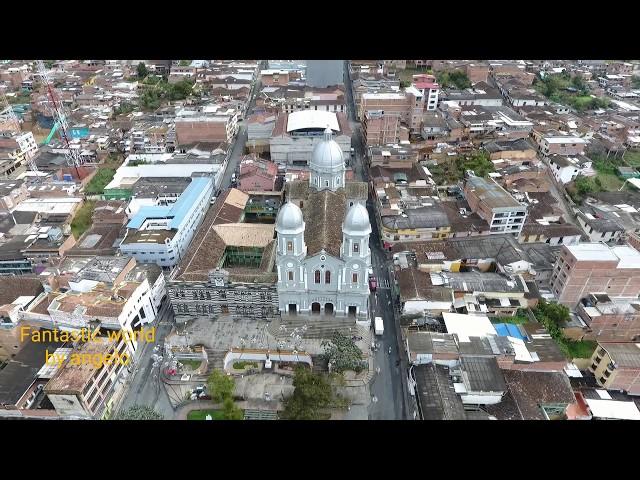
257	174
595	267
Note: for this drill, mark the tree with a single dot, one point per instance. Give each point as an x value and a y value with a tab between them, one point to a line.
221	386
453	78
583	186
142	70
230	411
478	161
139	412
343	354
312	393
184	63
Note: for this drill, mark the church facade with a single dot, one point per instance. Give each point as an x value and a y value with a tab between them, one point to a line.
323	231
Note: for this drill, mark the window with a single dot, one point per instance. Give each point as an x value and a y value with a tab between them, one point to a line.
327	277
356	248
289	246
317	276
290	276
326	183
354	278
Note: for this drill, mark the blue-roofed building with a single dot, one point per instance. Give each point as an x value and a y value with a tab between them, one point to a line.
510	330
161	234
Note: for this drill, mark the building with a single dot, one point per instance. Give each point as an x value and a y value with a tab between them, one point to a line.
609	319
534	396
84	390
324	73
479	94
321	268
382	128
616	366
296	135
16	293
429	91
19	146
161	234
595	267
495	205
392	155
270	78
209	126
12	192
257	174
229	267
566	169
566	145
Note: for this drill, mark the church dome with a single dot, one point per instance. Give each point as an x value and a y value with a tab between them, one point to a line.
289	219
357	221
327	154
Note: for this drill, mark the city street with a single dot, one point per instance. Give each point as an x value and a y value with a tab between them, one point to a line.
144	386
387	385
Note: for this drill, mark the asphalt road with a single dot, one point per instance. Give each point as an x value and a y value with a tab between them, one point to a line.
386	387
144	387
240	141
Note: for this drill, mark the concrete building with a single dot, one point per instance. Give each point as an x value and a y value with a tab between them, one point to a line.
209	126
84	390
609	319
616	366
566	169
595	267
567	145
270	78
19	146
495	205
12	192
322	269
161	234
296	135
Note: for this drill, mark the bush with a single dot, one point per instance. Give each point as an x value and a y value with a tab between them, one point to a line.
243	364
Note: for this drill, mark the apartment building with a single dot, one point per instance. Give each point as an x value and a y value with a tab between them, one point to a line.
209	126
566	145
270	78
610	319
19	146
382	128
161	234
616	366
566	169
495	205
84	390
595	267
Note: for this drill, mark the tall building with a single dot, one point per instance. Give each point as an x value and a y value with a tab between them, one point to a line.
595	267
495	205
325	73
321	268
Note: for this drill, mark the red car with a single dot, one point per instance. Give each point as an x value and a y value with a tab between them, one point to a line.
373	283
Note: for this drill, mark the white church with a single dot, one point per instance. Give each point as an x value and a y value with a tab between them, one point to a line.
323	230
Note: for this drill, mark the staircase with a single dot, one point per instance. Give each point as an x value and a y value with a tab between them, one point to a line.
317	327
260	415
215	359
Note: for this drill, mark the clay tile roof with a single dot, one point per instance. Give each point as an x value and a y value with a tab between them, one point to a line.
323	214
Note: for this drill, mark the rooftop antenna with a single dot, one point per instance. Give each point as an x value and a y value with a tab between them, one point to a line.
60	114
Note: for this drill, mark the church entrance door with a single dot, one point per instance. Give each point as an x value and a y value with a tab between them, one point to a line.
315	308
352	310
328	308
292	308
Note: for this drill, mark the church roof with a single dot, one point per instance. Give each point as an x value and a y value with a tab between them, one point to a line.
323	213
300	190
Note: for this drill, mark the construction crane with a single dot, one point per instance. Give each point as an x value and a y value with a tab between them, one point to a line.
60	117
6	111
